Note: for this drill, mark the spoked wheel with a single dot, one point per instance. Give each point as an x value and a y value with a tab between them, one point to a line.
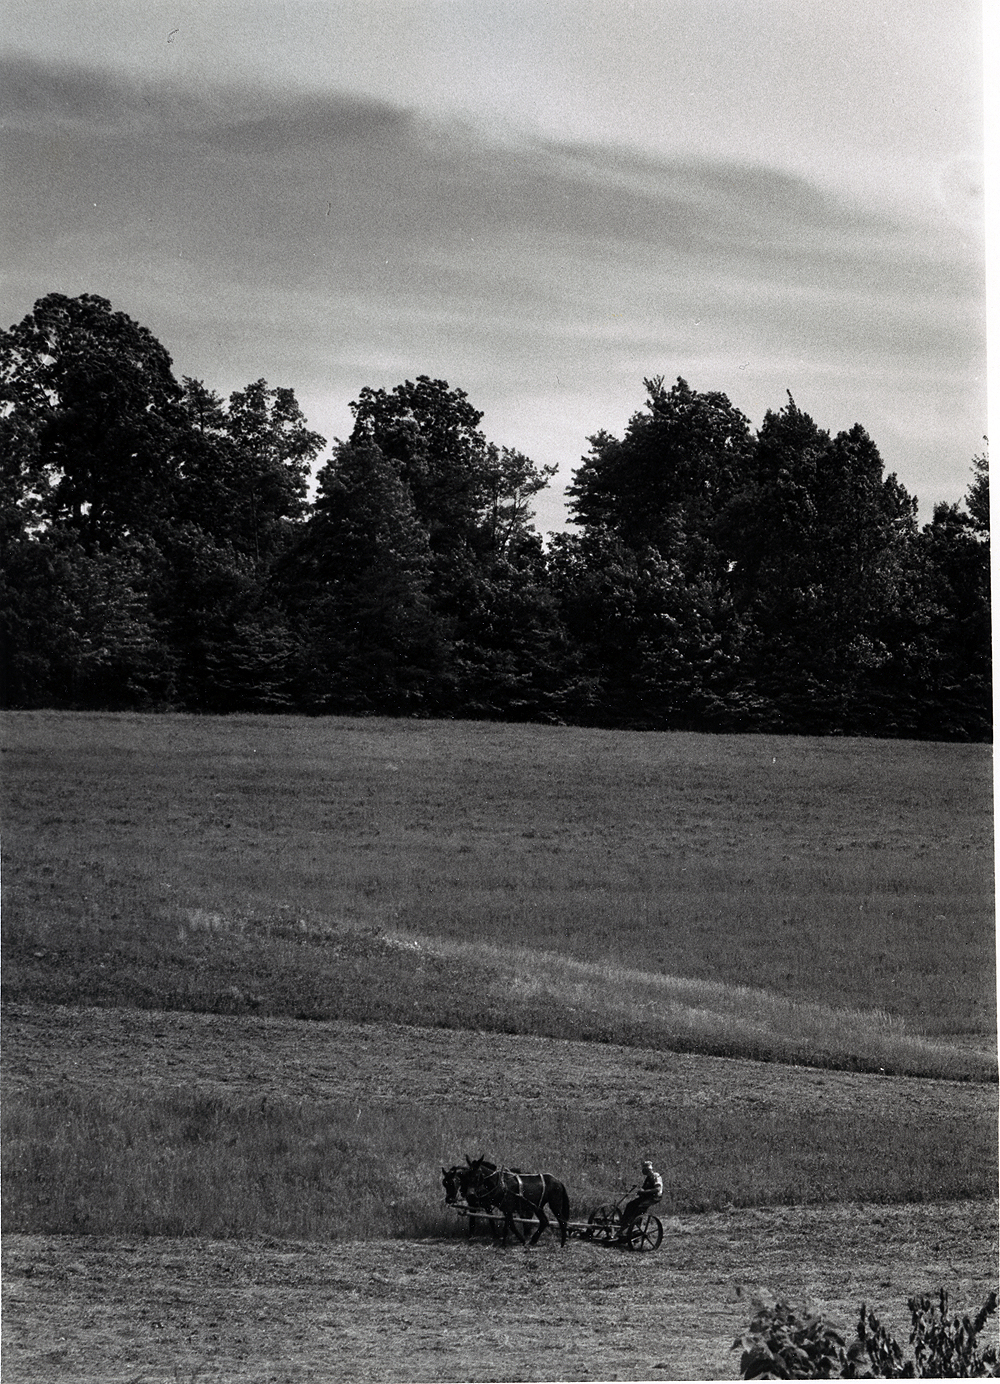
604	1223
645	1233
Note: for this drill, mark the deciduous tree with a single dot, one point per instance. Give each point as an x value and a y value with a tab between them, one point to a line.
92	420
667	481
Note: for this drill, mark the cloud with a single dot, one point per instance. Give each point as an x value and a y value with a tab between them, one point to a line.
313	238
37	94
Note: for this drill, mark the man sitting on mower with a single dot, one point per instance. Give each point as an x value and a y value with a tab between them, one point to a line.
648	1195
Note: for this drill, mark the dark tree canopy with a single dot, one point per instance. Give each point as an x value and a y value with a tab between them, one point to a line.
357	585
666	482
162	548
93	422
466	491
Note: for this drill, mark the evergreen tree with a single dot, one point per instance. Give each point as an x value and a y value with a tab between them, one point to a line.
652	647
941	665
76	626
819	543
509	647
485	581
241	496
644	591
356	584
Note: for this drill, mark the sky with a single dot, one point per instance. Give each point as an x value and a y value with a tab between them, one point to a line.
542	202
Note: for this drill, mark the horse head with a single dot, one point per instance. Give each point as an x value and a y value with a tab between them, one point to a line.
479	1179
451	1181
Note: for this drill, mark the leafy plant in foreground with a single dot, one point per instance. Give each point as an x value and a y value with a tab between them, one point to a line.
780	1344
948	1348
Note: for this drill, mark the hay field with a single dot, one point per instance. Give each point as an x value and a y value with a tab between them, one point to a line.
264	976
535	879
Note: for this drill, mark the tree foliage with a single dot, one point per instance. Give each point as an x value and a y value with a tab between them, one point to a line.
161	549
465	491
665	484
92	419
357	586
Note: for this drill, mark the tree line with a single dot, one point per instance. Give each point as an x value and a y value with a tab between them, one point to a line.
161	550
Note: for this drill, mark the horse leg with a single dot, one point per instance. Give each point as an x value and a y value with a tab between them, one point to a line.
561	1213
489	1216
510	1223
543	1221
480	1215
515	1227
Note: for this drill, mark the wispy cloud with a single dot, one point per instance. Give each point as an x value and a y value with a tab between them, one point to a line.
331	241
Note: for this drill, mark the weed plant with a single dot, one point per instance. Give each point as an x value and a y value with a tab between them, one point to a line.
804	899
184	1163
781	1343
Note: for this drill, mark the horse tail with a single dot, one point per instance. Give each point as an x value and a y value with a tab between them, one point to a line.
558	1202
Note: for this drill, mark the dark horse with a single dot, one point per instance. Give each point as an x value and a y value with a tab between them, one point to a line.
457	1184
519	1194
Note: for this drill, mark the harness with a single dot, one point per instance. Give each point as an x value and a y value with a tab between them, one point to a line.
501	1178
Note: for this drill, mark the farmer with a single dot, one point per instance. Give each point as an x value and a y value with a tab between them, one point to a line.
649	1194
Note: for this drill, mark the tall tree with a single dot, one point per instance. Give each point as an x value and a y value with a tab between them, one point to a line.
92	420
356	585
651	647
509	645
77	627
943	655
273	452
664	484
466	492
431	433
977	497
246	466
241	497
644	590
819	542
485	581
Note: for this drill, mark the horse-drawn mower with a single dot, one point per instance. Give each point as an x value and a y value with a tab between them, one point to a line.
510	1200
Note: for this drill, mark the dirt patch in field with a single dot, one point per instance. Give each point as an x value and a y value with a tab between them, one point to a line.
155	1310
115	1049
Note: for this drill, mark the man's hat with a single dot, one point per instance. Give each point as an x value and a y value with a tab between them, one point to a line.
647	1164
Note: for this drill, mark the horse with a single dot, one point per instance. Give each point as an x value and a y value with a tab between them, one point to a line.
457	1184
523	1194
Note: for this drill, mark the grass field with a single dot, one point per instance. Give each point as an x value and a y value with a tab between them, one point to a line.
265	1137
821	902
852	874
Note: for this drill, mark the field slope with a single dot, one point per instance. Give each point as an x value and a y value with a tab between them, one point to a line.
775	897
264	976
